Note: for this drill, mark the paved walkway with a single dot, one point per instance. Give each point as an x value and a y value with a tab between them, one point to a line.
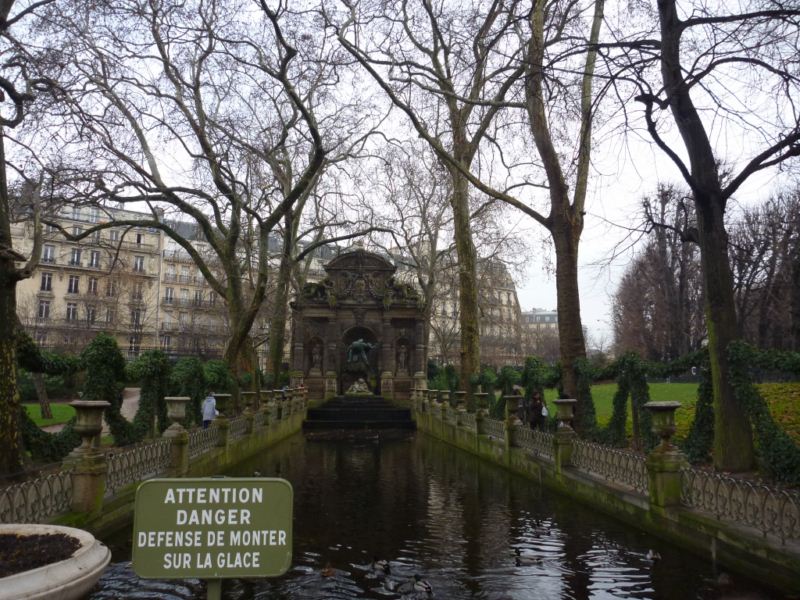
130	404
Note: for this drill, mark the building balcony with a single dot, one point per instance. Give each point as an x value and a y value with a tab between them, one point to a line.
168	302
185	279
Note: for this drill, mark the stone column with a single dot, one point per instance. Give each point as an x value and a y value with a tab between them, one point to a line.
178	436
387	385
222	421
331	385
665	462
481	411
565	436
87	461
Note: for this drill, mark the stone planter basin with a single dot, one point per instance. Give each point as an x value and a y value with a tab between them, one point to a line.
68	579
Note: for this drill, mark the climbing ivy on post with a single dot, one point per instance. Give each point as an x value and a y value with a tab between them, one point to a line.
151	369
105	370
778	455
44	446
189	379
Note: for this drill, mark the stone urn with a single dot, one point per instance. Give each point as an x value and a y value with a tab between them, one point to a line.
663	414
249	401
565	411
176	409
88	425
68	579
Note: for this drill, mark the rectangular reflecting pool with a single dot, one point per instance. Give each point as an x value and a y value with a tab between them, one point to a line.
385	517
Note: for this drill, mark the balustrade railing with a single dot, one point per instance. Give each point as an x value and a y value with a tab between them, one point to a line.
494	428
238	428
468	421
619	466
36	500
537	442
202	440
770	510
137	463
260	419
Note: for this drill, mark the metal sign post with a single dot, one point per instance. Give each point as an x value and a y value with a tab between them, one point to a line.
212	529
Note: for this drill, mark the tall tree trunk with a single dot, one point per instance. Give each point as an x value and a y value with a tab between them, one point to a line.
41	393
733	442
572	345
733	447
277	324
467	279
795	292
11	454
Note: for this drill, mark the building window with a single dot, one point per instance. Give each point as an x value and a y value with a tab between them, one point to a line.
169	294
111	315
72	311
165	342
138	291
212	298
198	297
138	264
41	337
47	282
139	239
94	259
96	237
49	253
113	235
92	289
75	258
50	228
76	213
76	230
91	314
183	319
74	284
134	345
136	317
111	288
184	295
44	309
94	215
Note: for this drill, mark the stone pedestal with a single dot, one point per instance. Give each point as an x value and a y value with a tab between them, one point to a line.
331	385
387	385
178	436
665	462
296	379
249	401
563	444
88	463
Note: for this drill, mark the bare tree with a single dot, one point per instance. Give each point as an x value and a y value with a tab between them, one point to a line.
698	67
20	78
217	111
658	305
449	72
762	242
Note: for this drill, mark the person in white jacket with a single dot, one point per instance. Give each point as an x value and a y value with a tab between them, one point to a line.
209	410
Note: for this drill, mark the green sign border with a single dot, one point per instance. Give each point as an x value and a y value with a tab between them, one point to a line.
266	570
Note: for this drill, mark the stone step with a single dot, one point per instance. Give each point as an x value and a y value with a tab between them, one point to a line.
367	414
358	412
357	424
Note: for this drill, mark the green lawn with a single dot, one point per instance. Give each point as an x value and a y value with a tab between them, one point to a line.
783	400
61	414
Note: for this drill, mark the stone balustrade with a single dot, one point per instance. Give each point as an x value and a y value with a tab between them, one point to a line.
93	477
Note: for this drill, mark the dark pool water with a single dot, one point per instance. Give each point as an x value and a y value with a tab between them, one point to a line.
455	520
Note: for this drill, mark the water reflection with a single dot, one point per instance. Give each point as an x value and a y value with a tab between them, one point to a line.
470	529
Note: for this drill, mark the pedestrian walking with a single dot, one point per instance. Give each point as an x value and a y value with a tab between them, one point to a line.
209	410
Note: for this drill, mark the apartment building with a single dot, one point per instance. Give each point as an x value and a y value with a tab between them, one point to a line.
133	283
540	333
